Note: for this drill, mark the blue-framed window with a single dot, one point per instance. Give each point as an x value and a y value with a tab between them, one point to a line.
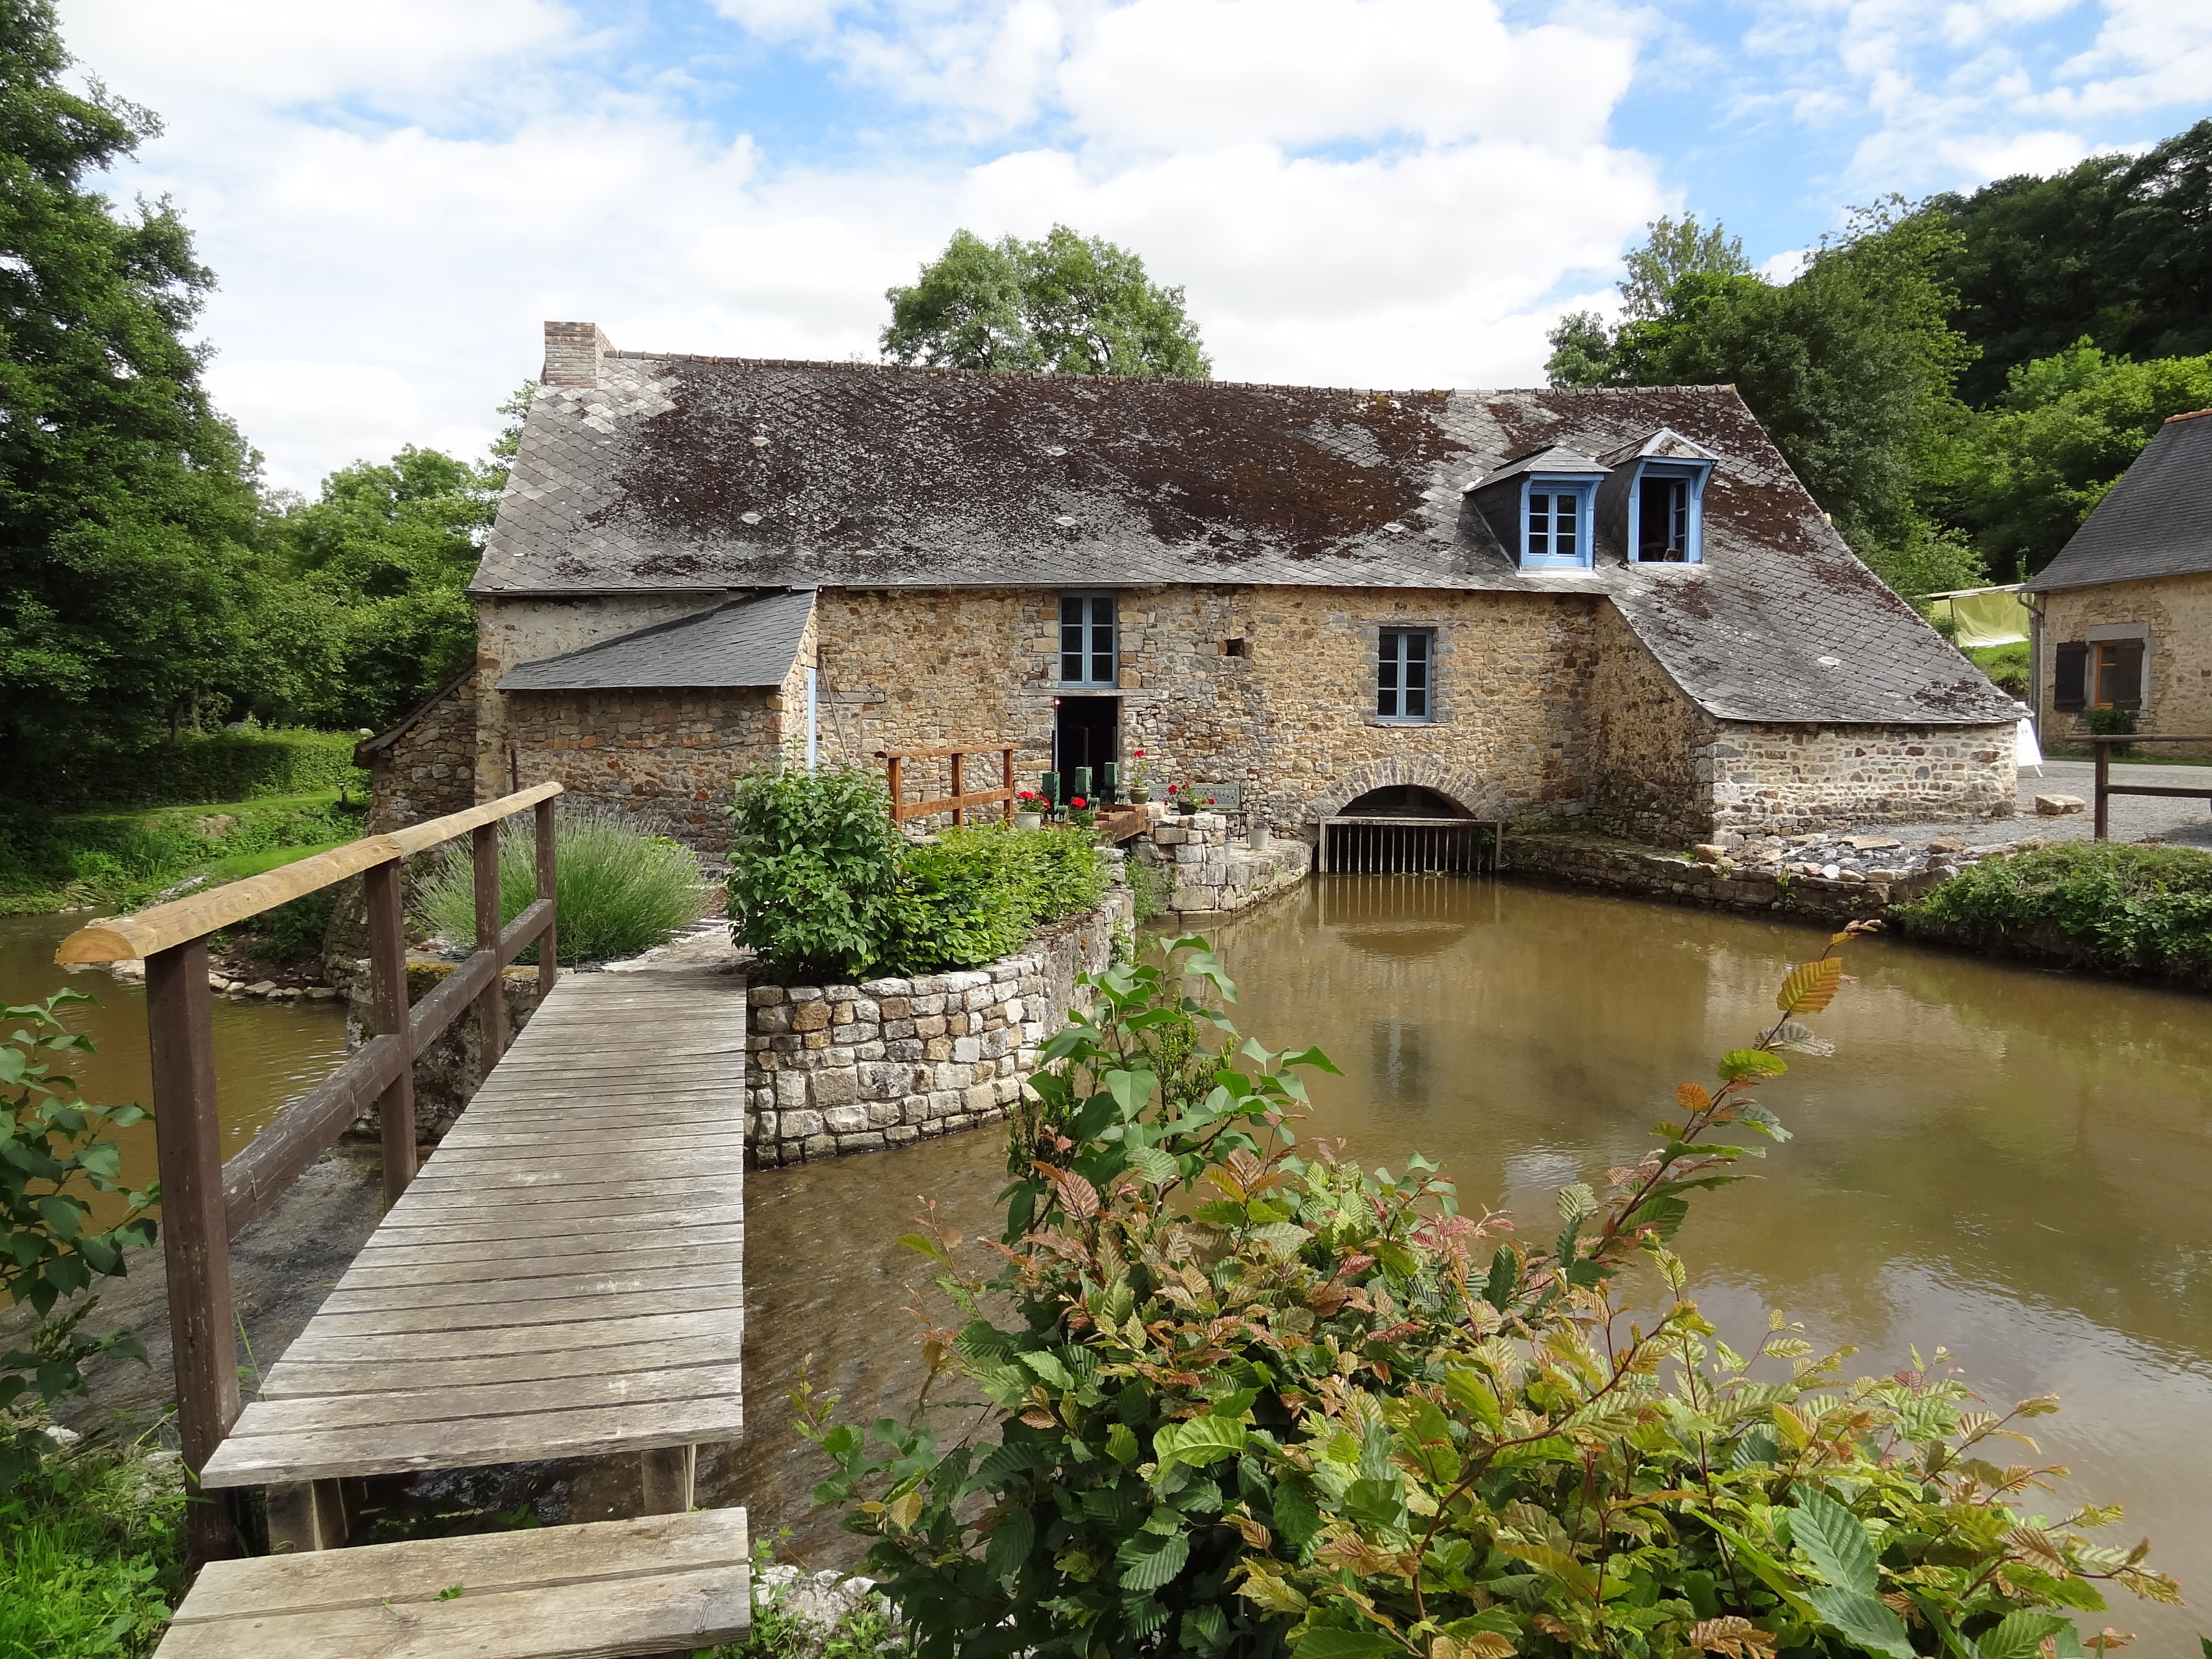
1666	513
1087	642
1557	518
1404	675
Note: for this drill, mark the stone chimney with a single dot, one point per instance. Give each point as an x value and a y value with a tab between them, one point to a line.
572	351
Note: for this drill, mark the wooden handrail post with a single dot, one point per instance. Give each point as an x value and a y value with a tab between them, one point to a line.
2104	749
195	1226
549	946
387	979
491	1006
898	786
1006	756
959	813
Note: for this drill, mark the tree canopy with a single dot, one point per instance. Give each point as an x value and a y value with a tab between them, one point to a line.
1070	304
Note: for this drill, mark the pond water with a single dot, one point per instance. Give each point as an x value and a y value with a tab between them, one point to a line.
266	1055
2010	1162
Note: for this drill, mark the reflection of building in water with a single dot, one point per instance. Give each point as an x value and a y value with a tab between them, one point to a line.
1400	1071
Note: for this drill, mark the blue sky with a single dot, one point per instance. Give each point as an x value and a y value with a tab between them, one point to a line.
396	193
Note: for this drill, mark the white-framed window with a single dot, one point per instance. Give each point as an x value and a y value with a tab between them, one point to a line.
1666	513
1087	642
1556	522
1405	671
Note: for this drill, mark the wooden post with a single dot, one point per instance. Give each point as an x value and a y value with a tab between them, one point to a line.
195	1228
2104	748
307	1515
959	813
491	1006
1008	757
387	978
669	1472
549	947
897	800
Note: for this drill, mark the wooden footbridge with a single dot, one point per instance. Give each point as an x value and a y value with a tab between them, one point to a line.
562	1279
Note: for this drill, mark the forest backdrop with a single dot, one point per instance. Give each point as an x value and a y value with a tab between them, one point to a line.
1957	380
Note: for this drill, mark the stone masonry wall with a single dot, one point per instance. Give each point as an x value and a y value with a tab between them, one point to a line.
1210	875
1291	719
1648	746
430	768
849	1068
1781	779
2176	610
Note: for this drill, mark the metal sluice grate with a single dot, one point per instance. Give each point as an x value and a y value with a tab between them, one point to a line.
1365	847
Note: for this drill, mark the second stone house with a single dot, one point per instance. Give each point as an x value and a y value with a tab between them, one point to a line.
1615	607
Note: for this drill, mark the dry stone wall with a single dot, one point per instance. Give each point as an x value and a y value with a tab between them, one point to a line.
1207	874
850	1068
429	768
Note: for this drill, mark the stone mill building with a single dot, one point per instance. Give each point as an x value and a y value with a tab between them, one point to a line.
1615	607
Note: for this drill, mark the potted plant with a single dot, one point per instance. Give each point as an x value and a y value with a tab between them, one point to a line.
1138	791
1028	814
1080	814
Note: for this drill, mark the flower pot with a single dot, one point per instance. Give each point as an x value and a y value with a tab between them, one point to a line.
1139	795
1029	820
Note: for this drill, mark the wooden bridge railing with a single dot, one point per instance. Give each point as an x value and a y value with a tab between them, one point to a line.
206	1203
2106	787
956	803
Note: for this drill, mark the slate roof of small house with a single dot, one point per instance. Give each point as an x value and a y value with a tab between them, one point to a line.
713	474
751	641
2155	521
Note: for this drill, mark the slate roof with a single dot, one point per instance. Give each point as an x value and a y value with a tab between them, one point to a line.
2155	521
694	473
751	641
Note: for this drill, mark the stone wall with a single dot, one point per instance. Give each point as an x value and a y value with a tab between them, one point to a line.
425	766
852	1068
2177	613
1780	780
1209	873
1650	747
1648	872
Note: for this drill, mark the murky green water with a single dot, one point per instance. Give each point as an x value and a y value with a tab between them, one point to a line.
2014	1164
266	1055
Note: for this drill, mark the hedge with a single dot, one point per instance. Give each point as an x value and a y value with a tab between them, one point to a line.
220	766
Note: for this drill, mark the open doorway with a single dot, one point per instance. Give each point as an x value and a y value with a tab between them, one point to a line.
1086	732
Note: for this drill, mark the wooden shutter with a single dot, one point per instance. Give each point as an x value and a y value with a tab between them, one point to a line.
2122	684
2069	683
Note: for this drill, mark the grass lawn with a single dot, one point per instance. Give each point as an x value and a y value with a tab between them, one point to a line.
239	865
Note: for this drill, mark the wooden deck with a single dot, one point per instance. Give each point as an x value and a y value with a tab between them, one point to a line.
564	1279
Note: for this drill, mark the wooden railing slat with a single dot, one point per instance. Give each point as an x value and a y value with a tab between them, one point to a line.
281	1153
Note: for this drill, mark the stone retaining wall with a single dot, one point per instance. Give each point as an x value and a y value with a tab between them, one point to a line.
1624	867
1211	875
854	1068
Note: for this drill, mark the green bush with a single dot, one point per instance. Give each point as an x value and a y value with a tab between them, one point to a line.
823	887
124	859
54	1149
814	873
1251	1403
2007	666
2116	908
196	768
616	890
92	1555
971	895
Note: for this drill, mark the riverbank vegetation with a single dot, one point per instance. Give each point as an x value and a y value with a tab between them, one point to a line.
2118	909
92	1553
618	890
1252	1399
822	885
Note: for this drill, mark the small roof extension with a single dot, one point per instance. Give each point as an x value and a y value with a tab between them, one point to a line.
749	643
2155	521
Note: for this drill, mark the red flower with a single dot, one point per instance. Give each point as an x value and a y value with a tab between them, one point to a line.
1140	754
1171	789
1078	801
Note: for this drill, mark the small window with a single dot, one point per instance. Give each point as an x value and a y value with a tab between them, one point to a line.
1232	648
2069	677
2119	673
1556	523
1086	640
1402	674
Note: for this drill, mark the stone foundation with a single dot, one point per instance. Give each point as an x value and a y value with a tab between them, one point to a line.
1212	874
856	1068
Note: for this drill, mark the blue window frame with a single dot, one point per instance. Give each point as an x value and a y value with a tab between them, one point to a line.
1556	523
1403	675
1087	643
1666	513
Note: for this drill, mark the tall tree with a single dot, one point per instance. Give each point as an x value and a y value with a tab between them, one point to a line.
1068	303
1673	249
127	513
2117	249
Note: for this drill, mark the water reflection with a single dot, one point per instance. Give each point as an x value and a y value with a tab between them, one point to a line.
2006	1161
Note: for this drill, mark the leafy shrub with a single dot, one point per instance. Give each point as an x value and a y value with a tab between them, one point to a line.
1254	1403
53	1151
2007	666
814	873
823	887
2117	908
616	890
217	765
972	896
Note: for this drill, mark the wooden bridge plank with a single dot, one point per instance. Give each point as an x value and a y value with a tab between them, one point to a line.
588	1219
407	1406
310	1379
440	1264
661	1279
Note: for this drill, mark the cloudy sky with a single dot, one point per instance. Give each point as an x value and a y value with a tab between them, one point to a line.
396	193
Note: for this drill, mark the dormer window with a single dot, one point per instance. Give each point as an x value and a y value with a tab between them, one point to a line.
1664	477
1543	509
1557	523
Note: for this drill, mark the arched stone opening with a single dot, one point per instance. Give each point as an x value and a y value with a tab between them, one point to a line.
1403	800
1464	793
